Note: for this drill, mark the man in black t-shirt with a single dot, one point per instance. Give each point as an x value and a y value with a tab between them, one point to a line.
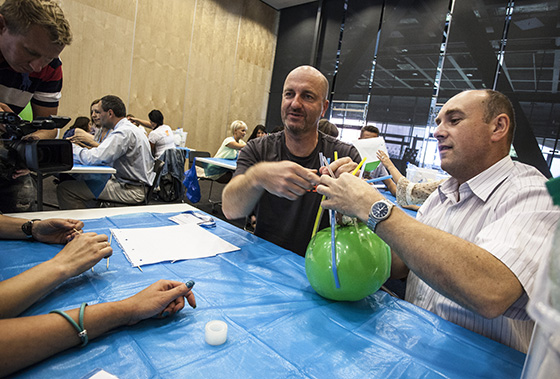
276	174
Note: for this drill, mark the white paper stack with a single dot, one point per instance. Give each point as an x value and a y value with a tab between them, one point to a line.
143	246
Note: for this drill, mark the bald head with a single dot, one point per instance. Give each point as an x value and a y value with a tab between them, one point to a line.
311	72
304	101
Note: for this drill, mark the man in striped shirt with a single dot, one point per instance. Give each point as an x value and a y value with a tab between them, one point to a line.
472	253
32	35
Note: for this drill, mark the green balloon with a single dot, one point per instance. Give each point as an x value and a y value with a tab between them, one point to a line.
363	262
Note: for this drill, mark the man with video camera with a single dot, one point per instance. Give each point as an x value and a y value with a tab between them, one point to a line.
32	35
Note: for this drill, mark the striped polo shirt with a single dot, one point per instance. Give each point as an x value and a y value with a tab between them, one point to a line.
41	88
507	211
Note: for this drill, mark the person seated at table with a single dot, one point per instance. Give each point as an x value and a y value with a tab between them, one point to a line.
82	123
86	139
134	121
82	251
125	149
259	131
328	127
228	150
251	219
370	131
161	136
276	173
28	340
409	195
472	252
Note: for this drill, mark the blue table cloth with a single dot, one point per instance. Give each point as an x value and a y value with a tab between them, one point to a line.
278	326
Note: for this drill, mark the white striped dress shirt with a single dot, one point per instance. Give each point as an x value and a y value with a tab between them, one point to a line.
507	211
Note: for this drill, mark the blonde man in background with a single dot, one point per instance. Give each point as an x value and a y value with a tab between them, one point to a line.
33	33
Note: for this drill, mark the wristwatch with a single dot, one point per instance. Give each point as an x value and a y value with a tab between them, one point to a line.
380	210
27	227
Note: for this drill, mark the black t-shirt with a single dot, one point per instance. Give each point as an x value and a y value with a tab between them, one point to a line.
287	223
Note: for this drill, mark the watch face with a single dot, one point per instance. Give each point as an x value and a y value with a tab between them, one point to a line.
380	210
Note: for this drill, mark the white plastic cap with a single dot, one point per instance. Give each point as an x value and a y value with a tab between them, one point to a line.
215	332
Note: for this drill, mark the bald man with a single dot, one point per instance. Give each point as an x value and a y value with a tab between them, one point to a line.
276	174
472	253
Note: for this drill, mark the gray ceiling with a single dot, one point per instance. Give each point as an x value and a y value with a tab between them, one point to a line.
281	4
411	38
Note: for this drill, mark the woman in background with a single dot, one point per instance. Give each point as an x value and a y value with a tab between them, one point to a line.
161	136
231	145
259	131
82	123
229	149
251	220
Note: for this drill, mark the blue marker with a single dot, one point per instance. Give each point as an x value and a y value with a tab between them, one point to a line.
379	179
190	284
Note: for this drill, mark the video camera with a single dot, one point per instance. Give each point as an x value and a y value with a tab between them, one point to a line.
40	155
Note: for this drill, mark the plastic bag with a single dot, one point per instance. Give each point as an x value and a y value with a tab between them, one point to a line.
191	184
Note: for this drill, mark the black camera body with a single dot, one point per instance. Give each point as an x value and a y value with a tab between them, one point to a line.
44	156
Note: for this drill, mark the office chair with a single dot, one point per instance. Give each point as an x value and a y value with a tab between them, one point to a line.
222	179
158	167
169	187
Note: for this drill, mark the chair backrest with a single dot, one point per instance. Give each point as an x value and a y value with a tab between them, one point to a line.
194	154
158	167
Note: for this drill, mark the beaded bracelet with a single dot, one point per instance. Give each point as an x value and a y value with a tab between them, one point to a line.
82	332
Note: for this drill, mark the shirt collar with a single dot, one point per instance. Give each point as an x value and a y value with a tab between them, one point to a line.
481	185
122	121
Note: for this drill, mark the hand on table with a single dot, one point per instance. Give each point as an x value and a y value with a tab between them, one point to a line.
162	299
83	252
56	230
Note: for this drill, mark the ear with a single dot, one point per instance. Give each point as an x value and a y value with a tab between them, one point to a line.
3	27
500	127
325	107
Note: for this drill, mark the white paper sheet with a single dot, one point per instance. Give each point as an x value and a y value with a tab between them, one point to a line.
143	246
368	148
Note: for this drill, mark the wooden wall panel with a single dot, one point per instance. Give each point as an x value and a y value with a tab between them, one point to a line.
203	63
160	58
211	69
256	47
97	62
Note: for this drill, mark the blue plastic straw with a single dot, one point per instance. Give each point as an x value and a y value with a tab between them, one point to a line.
333	248
379	179
332	215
